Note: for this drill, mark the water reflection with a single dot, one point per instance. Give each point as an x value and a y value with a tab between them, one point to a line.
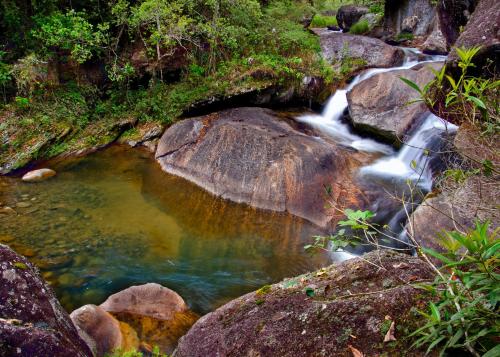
114	219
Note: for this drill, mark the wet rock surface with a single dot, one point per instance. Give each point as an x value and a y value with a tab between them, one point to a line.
318	314
381	105
249	155
373	52
32	322
38	175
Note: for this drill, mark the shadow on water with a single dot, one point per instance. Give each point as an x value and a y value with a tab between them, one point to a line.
114	219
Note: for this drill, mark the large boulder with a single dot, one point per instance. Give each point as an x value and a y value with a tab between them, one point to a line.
373	52
482	30
250	155
325	313
453	16
410	16
380	105
436	42
32	322
348	15
152	314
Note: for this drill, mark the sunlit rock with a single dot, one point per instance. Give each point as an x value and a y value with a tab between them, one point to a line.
38	175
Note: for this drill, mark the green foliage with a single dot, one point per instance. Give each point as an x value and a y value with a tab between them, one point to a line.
404	36
465	313
323	21
155	353
464	99
71	31
360	27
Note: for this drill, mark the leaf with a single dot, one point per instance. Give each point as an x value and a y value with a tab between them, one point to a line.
478	102
435	311
310	292
356	352
389	336
413	164
412	85
495	351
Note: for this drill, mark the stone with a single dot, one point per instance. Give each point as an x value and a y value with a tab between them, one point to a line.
157	314
435	43
374	52
33	323
483	29
321	313
380	104
453	16
98	328
38	175
23	204
249	155
348	15
410	16
7	210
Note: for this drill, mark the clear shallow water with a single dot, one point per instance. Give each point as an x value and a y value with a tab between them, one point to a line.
114	219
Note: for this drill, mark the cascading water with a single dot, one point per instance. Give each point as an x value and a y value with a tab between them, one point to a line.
392	172
329	122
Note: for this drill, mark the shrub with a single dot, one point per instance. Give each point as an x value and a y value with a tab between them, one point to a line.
323	21
360	27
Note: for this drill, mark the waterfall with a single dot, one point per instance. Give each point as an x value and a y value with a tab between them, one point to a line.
329	122
412	160
394	171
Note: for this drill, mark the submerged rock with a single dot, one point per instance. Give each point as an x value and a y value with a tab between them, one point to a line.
151	314
249	155
32	322
373	52
324	313
381	105
38	175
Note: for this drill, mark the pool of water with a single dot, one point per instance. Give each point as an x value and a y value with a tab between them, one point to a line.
114	219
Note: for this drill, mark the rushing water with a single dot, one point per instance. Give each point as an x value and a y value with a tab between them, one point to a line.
396	175
114	219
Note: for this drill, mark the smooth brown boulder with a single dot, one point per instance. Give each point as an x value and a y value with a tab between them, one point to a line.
249	155
323	313
374	52
380	105
98	328
38	175
151	314
483	29
32	322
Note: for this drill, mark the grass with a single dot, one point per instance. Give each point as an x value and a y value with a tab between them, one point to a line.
323	21
360	27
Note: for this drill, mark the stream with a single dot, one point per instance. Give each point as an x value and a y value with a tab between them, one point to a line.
113	219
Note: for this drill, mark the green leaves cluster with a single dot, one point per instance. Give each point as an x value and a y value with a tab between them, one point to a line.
465	98
71	31
465	314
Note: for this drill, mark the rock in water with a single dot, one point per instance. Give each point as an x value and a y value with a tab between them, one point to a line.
158	315
249	155
98	328
318	314
373	52
348	15
380	105
38	175
32	322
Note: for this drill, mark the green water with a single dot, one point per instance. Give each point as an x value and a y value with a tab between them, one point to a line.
114	219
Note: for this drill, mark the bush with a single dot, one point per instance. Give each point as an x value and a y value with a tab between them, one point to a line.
323	21
360	27
466	312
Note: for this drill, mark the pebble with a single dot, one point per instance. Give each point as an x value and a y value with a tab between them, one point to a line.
38	175
7	210
23	204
